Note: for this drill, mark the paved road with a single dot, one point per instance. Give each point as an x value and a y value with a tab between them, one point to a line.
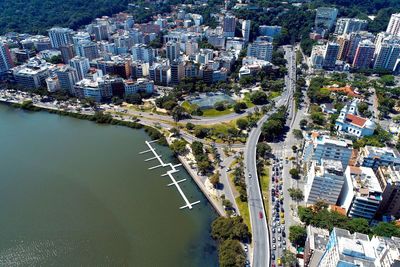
260	229
282	150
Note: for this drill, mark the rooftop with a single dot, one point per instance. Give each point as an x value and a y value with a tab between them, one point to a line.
354	248
365	183
319	139
356	120
374	151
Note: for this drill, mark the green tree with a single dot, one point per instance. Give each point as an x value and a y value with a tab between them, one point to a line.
318	117
297	235
190	126
224	228
386	229
220	106
231	254
289	259
303	123
214	179
297	134
239	107
242	123
178	113
134	99
259	98
179	146
359	225
263	150
296	194
362	108
294	173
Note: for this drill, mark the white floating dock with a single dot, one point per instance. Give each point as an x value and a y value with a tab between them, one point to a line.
169	173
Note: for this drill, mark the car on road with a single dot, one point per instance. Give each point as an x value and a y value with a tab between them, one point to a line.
279	261
284	242
260	215
273	256
273	240
246	248
249	175
282	221
279	230
274	247
279	238
273	230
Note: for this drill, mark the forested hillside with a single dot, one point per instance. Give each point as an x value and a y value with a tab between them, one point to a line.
36	16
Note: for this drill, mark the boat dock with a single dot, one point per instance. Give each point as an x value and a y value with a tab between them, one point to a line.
169	173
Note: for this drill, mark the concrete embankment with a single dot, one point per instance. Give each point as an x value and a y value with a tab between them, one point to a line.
217	206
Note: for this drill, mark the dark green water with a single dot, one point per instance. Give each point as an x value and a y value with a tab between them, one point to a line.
74	193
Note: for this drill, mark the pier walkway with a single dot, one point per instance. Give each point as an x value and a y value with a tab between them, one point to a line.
169	173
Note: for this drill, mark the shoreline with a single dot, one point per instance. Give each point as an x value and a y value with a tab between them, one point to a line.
129	124
200	185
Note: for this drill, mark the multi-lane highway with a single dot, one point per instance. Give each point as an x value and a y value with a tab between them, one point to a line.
259	225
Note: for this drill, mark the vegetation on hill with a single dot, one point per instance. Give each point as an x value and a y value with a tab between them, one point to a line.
36	16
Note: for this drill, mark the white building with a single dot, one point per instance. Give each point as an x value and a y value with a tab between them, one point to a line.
394	25
33	74
6	61
67	77
350	123
140	52
53	84
387	51
172	50
317	56
361	194
60	36
349	25
322	146
325	17
246	30
324	182
260	50
140	85
81	65
345	249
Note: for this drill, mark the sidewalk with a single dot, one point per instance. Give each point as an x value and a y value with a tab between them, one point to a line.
214	202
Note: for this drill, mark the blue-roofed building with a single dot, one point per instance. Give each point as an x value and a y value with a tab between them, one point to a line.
374	157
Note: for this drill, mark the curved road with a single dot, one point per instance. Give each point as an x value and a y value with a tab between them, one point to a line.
260	229
194	120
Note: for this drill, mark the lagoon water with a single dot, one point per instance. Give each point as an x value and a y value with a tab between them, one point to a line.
74	193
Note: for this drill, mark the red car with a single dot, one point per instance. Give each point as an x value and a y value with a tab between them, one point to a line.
260	215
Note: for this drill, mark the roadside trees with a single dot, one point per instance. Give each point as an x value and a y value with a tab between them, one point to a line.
289	259
294	173
214	179
297	235
296	194
242	124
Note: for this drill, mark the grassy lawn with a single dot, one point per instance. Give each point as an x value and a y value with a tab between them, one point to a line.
246	100
244	211
264	182
189	107
273	95
214	113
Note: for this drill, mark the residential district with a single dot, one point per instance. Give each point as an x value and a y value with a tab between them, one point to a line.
296	150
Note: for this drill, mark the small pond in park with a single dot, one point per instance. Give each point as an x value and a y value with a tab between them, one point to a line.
208	100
